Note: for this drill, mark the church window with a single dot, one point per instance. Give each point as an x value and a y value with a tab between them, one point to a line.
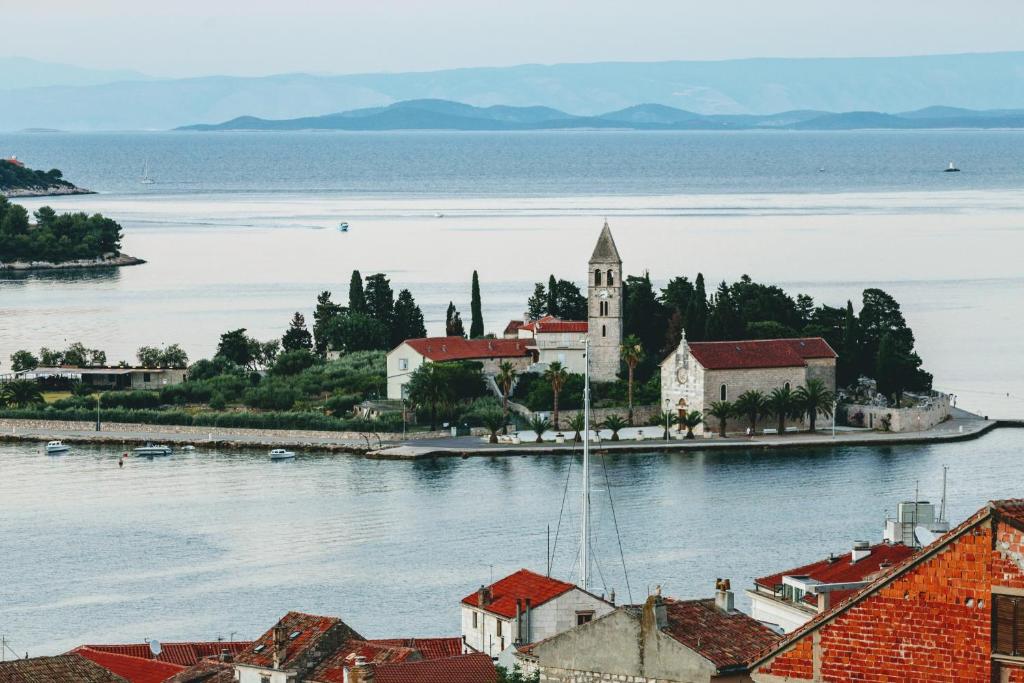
604	331
724	393
611	277
597	277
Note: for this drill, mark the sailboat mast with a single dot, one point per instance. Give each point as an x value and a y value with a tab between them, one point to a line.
585	503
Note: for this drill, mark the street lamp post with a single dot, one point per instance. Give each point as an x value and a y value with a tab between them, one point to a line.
834	406
98	412
668	427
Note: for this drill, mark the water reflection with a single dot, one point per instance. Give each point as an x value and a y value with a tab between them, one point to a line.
62	276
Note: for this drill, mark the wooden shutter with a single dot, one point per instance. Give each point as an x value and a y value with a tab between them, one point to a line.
1018	627
1005	621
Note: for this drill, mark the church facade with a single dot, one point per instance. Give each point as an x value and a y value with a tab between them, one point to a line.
697	374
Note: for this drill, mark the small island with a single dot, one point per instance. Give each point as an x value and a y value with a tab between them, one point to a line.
18	180
58	241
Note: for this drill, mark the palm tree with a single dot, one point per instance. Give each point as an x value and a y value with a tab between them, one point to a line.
21	393
691	420
721	411
753	404
614	423
505	378
631	352
782	404
557	376
577	424
493	420
539	424
813	399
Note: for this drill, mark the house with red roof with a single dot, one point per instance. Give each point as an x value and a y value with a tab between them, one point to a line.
525	607
292	649
59	669
132	669
664	640
410	355
952	612
697	374
789	599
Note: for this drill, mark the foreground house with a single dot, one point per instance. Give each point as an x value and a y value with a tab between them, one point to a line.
697	374
59	669
662	641
111	378
788	600
952	612
525	607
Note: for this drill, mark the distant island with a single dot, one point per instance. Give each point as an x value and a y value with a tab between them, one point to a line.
448	115
18	180
58	241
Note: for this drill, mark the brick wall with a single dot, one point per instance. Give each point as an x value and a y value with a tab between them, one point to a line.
931	624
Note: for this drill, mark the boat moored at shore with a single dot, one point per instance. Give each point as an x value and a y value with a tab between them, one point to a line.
152	450
57	447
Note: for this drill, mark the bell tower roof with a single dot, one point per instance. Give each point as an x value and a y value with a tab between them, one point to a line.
605	250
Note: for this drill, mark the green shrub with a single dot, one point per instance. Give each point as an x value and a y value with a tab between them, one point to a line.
340	405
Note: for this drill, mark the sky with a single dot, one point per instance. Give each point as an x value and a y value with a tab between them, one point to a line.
259	37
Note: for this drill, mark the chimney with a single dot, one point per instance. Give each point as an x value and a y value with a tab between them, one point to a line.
660	611
824	601
280	645
361	671
225	656
519	621
527	616
483	596
861	549
724	598
611	598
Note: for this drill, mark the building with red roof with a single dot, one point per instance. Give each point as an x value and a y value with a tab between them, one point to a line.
60	669
15	161
791	598
184	653
524	607
698	374
292	649
132	669
951	612
410	355
667	640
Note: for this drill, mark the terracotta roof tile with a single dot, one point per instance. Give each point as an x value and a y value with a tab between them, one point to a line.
306	629
456	348
430	648
59	669
760	353
471	668
549	324
185	653
206	671
132	669
513	326
726	639
521	585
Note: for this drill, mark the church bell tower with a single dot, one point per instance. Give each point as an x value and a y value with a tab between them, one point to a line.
604	308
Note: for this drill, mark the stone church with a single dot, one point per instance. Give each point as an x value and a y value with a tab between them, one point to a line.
604	313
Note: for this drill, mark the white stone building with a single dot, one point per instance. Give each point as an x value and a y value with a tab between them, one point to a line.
554	339
525	607
604	308
405	358
697	374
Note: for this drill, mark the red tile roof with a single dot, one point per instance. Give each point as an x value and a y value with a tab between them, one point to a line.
841	569
132	669
206	671
15	161
471	668
513	326
456	348
760	353
726	639
549	324
332	669
521	585
59	669
183	653
430	648
307	629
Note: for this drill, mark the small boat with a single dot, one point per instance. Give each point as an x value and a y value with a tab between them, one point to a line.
951	168
55	447
438	215
281	454
145	179
343	227
188	447
150	449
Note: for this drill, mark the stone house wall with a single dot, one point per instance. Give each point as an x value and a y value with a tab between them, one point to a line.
900	419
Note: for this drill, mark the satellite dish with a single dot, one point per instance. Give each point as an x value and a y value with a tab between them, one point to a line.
154	647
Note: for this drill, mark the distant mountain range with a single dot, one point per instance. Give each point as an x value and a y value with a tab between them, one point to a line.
44	96
446	115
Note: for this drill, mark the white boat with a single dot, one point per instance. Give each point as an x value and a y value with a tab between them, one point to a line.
951	168
54	447
343	227
188	447
281	454
150	449
145	178
438	215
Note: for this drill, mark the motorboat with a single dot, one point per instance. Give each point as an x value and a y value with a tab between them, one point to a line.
55	447
188	447
151	450
951	168
343	227
281	454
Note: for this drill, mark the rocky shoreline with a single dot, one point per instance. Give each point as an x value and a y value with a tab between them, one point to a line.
50	191
101	262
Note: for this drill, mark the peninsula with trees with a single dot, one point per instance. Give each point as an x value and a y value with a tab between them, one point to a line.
18	180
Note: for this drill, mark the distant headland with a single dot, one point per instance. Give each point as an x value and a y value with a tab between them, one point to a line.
18	180
432	114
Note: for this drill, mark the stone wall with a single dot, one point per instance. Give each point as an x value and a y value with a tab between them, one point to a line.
642	415
550	675
900	419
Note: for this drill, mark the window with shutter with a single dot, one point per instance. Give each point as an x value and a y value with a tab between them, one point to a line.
1008	625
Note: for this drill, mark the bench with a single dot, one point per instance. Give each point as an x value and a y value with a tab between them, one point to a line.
770	430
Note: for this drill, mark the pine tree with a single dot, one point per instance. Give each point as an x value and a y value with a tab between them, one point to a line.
849	356
408	319
380	299
453	322
297	336
326	311
552	304
697	311
476	325
356	296
537	304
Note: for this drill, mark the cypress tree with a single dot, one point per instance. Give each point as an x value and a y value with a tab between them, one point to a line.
697	311
476	325
356	296
849	356
408	320
552	296
453	322
380	299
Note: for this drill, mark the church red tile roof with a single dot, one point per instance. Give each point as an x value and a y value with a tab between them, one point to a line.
440	349
184	653
306	629
549	324
841	569
132	669
760	353
59	669
471	668
726	639
521	585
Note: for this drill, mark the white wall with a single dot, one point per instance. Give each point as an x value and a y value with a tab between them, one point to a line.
247	674
397	376
771	611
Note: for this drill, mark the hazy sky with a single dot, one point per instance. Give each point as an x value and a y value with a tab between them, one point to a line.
250	37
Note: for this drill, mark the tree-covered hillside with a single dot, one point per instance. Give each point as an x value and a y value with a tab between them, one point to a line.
14	177
55	237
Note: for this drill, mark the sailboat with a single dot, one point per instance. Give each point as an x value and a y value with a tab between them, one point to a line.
145	178
951	168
